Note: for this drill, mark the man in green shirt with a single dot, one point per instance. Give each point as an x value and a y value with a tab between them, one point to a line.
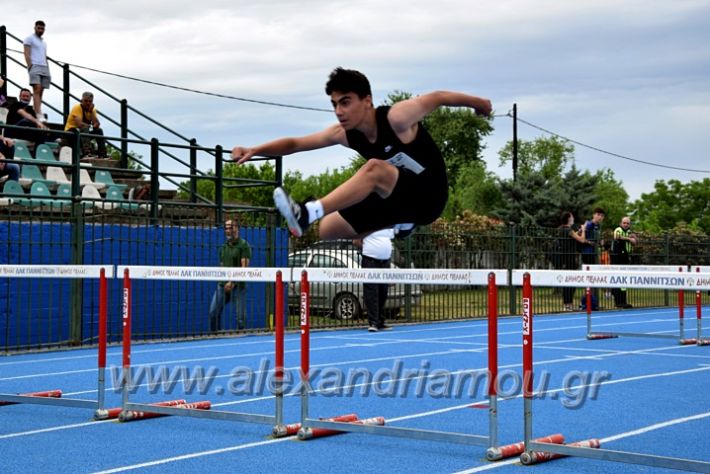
235	252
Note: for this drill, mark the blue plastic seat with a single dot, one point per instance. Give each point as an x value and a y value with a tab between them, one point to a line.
45	153
22	152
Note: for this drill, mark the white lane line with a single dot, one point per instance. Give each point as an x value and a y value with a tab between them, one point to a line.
158	462
405	417
608	439
418	415
54	428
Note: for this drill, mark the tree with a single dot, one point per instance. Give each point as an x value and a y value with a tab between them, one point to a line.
612	197
477	191
544	187
545	156
674	204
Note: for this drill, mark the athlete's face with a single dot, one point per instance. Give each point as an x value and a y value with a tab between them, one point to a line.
349	108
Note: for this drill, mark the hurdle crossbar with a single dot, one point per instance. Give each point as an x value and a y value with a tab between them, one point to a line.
100	272
489	278
247	274
700	340
620	276
635	280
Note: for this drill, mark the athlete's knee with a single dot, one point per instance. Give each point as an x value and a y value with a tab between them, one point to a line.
379	173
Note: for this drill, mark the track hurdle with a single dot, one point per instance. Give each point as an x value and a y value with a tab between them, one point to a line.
100	272
592	335
489	278
588	448
704	272
249	274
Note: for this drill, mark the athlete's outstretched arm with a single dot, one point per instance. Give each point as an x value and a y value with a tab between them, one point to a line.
333	135
407	113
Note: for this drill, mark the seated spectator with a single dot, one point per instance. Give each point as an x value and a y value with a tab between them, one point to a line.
3	99
7	152
22	114
83	117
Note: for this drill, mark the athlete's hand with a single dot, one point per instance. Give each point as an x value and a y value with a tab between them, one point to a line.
483	107
241	154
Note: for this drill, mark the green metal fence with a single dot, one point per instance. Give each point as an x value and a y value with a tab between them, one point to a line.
41	313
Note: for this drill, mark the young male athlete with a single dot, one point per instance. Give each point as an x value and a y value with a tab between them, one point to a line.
402	184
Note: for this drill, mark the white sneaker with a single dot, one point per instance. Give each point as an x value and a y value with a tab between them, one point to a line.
296	214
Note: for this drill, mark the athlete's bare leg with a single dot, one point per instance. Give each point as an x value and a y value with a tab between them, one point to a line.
375	176
333	227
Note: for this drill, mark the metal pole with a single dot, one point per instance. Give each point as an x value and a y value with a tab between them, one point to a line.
124	134
103	321
279	337
515	142
527	357
305	351
126	335
492	361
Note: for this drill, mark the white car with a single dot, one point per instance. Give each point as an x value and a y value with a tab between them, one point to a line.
343	300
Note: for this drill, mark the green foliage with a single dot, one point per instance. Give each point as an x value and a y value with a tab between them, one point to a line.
477	191
673	204
612	197
319	185
548	183
547	156
235	177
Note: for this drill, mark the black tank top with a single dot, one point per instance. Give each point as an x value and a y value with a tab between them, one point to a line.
422	149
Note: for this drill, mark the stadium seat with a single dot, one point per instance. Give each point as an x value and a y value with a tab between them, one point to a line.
64	191
40	195
105	177
57	174
65	154
85	179
92	198
13	187
115	194
22	152
31	174
44	153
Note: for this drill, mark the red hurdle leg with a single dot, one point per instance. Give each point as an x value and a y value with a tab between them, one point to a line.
536	457
112	413
510	450
133	415
292	429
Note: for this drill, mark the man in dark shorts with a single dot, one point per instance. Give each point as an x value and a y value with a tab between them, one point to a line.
402	184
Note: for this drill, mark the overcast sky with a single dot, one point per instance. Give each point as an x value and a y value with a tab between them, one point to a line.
631	77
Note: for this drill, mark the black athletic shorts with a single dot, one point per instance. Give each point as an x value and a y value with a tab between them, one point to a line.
416	198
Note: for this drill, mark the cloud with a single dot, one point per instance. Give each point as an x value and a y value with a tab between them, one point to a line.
627	76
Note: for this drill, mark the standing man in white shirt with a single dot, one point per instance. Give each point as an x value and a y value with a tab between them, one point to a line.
376	253
37	66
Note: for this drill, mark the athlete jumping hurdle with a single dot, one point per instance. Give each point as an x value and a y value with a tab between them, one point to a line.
403	183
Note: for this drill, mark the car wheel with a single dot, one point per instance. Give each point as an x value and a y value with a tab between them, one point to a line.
346	306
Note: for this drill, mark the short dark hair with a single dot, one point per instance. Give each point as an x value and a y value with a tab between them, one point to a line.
599	210
348	80
25	89
39	23
564	217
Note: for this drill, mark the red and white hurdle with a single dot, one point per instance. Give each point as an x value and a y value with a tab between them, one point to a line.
489	278
537	451
100	272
